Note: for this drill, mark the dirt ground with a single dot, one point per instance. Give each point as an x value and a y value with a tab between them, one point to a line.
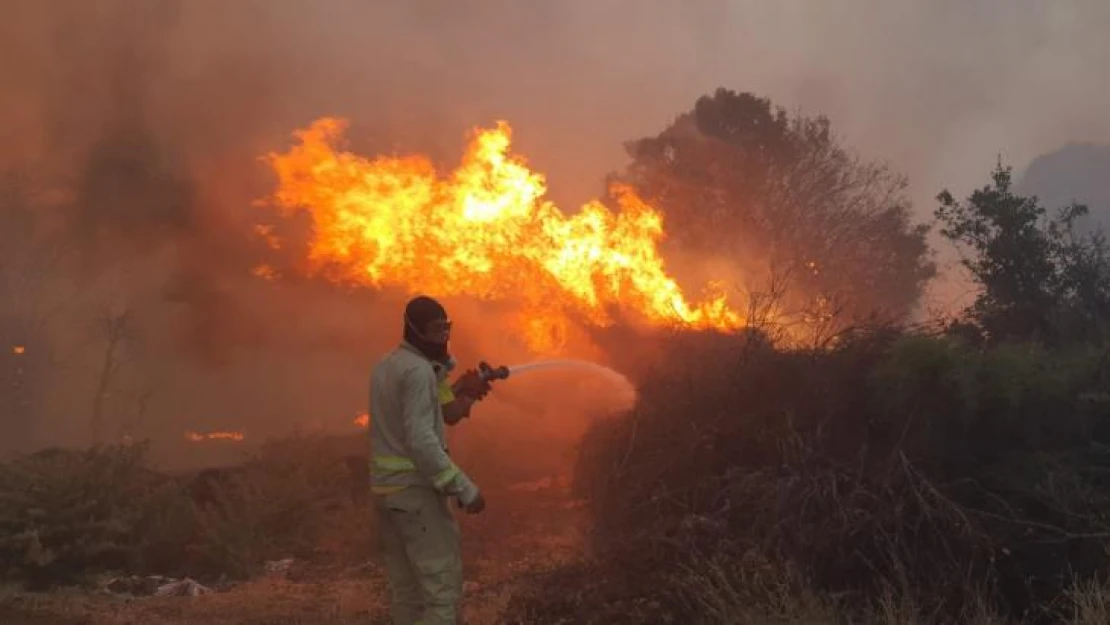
525	531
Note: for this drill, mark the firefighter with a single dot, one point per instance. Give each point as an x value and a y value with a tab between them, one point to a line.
455	406
411	475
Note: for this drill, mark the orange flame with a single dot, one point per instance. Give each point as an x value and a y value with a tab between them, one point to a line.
197	437
363	420
484	230
18	350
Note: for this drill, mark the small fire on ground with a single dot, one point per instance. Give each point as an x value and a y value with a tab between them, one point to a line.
18	349
363	420
197	437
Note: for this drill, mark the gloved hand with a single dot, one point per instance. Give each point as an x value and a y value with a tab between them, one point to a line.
470	384
477	506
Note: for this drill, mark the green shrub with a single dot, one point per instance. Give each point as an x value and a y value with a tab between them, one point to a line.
888	464
964	408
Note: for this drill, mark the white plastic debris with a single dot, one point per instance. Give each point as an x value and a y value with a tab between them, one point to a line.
134	585
279	567
183	588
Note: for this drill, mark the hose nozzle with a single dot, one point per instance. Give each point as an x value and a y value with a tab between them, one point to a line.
487	373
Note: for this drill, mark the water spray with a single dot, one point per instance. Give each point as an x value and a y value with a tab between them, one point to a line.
561	364
488	373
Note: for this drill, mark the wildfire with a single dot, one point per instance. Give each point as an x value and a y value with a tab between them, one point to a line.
363	420
197	437
19	350
483	230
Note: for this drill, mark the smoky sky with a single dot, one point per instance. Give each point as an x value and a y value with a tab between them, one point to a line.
938	88
185	96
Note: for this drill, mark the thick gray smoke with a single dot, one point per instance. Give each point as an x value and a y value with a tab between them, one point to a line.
142	122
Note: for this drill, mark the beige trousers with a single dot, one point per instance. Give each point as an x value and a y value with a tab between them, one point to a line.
423	558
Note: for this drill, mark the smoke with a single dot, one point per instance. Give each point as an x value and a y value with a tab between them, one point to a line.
145	119
904	80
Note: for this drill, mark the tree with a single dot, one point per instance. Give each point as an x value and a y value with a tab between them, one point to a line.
1039	279
118	334
777	195
39	297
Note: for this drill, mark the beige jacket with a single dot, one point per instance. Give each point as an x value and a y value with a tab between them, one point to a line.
407	441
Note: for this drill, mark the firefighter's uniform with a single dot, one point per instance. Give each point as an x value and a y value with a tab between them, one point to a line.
413	479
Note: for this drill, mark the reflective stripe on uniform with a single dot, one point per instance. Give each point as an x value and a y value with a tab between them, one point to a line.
384	465
385	490
445	476
395	464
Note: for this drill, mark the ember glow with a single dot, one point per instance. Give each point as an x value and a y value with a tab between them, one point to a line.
363	420
483	230
18	350
197	437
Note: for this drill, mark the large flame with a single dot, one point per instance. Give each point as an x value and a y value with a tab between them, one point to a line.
483	230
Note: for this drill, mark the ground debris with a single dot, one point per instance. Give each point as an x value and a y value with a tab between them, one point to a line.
134	585
183	588
279	567
154	586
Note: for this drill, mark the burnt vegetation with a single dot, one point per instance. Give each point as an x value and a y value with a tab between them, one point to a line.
832	464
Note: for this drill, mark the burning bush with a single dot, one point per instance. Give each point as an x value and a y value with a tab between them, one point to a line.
895	468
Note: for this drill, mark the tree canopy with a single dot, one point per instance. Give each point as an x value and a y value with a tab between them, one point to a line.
739	177
1039	278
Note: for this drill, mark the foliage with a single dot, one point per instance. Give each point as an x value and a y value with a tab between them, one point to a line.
778	195
878	471
1039	278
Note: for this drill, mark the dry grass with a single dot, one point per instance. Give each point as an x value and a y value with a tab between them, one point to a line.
722	593
1089	604
510	553
521	536
257	602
